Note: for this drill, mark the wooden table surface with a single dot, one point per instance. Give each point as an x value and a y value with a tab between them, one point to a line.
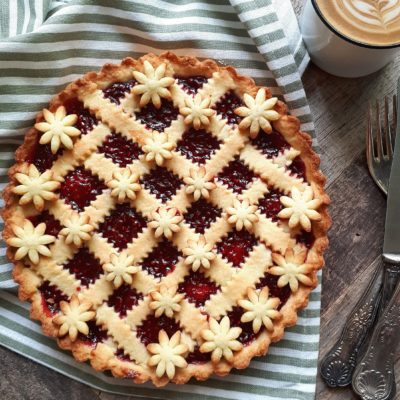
358	209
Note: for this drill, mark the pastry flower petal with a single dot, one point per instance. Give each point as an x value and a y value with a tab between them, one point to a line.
197	111
260	308
73	317
167	354
300	208
166	301
291	269
199	254
257	113
120	269
166	221
220	339
35	187
58	129
158	148
242	214
77	230
31	241
198	183
152	84
124	184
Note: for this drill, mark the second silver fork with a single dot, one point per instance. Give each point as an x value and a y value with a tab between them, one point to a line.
338	365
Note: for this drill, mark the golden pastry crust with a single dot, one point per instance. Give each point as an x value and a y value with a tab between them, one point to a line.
237	281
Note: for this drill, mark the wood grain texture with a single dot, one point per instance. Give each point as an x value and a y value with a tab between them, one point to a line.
358	209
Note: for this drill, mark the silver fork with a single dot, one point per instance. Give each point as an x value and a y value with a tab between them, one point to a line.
380	148
338	365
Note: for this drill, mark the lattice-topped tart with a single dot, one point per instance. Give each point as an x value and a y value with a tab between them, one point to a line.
166	219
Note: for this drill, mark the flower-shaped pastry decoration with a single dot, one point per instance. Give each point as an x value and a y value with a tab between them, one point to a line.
31	241
198	183
300	208
260	308
257	113
197	111
167	354
73	317
158	148
77	230
58	129
35	187
220	339
152	84
291	269
242	214
166	301
166	221
120	269
199	254
124	184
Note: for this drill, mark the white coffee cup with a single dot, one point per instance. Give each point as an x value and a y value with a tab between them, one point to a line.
337	54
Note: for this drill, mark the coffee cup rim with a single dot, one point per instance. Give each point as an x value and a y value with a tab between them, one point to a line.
347	38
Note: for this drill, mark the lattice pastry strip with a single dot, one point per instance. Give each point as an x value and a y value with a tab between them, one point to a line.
258	262
83	148
217	86
275	175
109	114
272	234
122	334
58	276
221	272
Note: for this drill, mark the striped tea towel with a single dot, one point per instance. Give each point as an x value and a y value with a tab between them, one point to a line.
46	44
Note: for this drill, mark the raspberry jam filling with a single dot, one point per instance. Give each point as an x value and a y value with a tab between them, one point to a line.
86	121
162	183
197	288
198	145
237	246
191	84
53	227
42	156
158	119
271	144
84	266
247	335
162	260
271	281
116	91
306	238
236	176
201	215
120	150
51	298
122	226
80	188
124	299
226	105
95	335
297	167
196	357
148	331
270	204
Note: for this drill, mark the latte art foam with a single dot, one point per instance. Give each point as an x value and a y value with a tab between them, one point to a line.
374	22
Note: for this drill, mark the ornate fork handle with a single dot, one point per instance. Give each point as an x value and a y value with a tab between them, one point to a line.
374	375
338	365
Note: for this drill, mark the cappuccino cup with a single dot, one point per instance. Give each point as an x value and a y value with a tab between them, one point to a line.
351	38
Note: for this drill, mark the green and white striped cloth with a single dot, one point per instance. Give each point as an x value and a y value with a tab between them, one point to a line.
46	44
